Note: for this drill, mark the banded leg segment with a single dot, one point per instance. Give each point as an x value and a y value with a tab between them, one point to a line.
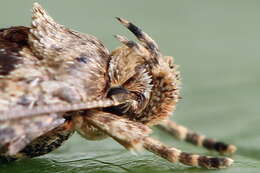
174	155
134	135
182	133
128	133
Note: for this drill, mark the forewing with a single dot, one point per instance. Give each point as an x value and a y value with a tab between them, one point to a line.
19	71
79	60
34	83
47	70
12	40
26	89
16	134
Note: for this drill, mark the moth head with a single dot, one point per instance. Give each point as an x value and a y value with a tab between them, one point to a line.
129	81
139	75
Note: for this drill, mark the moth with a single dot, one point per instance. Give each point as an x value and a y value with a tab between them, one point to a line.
55	81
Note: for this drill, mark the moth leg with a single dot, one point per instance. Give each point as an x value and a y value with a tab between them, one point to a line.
128	133
48	142
134	135
174	155
182	133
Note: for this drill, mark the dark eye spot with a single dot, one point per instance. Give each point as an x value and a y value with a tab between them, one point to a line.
116	90
82	59
24	101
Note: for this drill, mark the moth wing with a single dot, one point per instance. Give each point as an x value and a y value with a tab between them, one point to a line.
27	88
16	134
81	60
27	95
20	74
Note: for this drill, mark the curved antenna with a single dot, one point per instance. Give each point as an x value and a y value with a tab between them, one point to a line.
142	36
130	44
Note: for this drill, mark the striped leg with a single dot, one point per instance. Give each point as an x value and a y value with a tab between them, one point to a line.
182	133
134	136
174	155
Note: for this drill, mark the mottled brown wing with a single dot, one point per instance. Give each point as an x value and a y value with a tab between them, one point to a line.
44	70
16	134
12	40
79	60
18	72
51	66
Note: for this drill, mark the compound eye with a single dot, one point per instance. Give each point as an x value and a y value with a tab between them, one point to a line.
117	91
122	95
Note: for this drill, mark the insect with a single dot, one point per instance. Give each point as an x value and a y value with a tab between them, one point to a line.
54	81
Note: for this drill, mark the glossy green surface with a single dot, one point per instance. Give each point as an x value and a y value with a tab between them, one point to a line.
217	44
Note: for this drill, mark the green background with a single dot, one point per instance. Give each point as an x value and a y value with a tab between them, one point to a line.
216	44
